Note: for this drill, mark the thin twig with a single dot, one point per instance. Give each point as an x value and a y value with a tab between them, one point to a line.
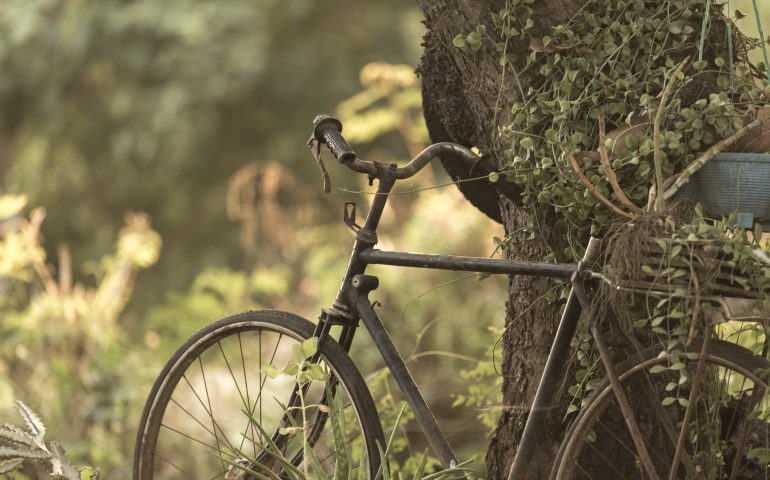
590	186
660	202
761	36
651	196
699	162
31	231
605	159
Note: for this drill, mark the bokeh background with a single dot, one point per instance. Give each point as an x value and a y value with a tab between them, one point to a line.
154	178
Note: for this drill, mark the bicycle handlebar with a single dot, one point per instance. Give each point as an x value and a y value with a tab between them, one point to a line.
328	130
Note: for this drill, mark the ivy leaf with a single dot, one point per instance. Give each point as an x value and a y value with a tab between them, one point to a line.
271	371
309	347
459	41
761	455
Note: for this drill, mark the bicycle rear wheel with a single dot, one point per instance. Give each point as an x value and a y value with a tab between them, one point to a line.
213	406
728	436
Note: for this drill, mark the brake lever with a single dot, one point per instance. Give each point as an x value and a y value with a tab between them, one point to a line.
315	149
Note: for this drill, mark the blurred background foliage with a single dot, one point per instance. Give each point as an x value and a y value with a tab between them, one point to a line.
154	177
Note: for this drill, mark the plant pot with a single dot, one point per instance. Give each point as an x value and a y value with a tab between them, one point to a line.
733	182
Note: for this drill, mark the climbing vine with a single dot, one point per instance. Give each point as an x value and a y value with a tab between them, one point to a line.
630	99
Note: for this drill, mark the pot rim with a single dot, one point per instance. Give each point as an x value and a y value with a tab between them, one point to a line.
741	157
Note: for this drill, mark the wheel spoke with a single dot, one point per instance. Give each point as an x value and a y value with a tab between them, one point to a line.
719	421
197	406
190	437
210	414
232	375
174	465
193	417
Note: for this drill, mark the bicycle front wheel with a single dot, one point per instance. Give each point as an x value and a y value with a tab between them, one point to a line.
215	410
726	437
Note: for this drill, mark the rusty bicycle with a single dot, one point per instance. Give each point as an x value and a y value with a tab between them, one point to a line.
216	412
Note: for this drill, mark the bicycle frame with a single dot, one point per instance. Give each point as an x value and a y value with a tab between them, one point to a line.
353	305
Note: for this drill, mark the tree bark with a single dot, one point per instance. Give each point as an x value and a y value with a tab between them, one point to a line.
462	90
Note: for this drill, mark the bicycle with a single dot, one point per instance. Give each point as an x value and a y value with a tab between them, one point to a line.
253	436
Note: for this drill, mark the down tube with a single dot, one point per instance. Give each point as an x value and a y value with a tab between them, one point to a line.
422	413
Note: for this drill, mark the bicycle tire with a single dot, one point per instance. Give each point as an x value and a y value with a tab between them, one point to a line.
600	415
150	462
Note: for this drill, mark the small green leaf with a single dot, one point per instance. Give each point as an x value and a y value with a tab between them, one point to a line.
289	430
315	372
290	368
459	41
760	455
309	347
678	366
271	371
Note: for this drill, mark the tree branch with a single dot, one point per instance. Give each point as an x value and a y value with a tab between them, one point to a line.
590	186
660	200
605	159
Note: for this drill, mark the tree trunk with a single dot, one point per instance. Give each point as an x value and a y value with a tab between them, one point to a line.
462	89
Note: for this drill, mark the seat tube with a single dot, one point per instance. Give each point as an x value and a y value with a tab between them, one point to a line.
553	372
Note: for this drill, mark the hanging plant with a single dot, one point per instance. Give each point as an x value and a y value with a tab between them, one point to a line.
638	99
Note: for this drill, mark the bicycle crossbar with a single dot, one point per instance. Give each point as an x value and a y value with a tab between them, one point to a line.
468	264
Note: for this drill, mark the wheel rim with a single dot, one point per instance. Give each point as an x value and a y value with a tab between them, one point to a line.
216	407
713	435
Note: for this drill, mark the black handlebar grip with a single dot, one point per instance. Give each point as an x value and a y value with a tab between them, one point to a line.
329	131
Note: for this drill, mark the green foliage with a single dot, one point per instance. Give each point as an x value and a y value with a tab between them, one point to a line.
88	374
108	106
19	446
301	370
626	67
485	385
112	106
615	59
